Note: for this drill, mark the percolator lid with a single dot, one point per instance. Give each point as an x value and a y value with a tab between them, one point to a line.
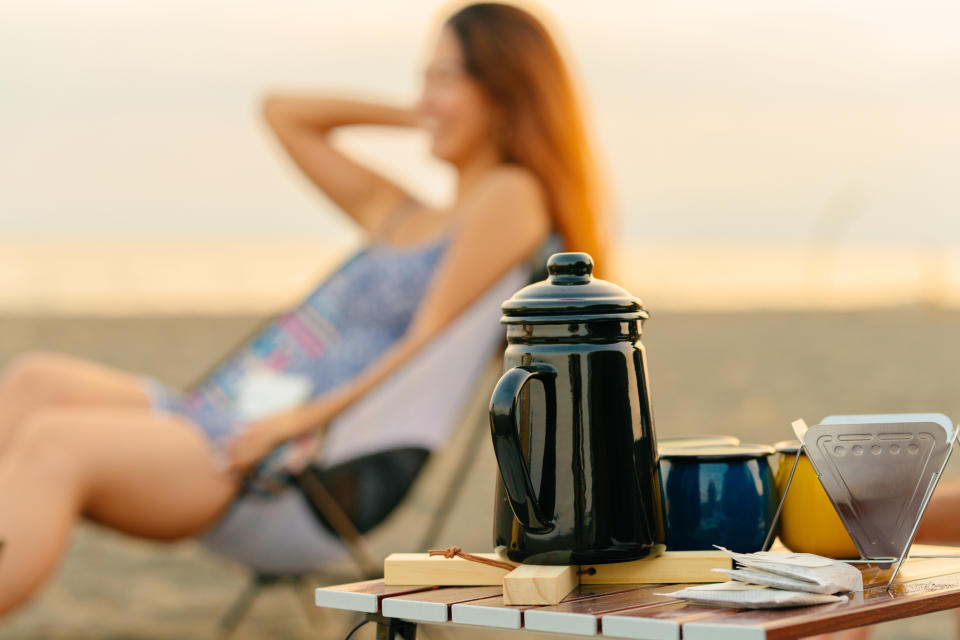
571	293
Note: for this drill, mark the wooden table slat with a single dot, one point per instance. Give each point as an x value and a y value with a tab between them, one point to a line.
582	617
658	622
492	612
489	612
361	596
433	606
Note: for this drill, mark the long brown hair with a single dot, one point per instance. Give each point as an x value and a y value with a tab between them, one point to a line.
511	54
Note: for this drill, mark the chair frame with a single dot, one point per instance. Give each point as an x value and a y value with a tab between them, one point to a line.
367	565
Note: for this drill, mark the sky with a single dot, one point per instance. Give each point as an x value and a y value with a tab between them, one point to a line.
826	122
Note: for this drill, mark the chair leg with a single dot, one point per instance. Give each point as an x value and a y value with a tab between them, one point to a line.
393	628
240	608
304	592
356	544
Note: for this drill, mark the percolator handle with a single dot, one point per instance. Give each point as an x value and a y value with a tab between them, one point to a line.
506	440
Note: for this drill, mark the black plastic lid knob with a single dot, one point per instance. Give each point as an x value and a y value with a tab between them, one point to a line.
570	268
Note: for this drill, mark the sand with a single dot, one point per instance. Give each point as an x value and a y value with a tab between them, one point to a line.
747	374
135	276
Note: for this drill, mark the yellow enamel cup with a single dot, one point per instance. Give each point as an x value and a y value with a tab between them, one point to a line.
808	522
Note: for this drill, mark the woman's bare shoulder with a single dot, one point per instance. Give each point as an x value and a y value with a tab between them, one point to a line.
510	180
507	193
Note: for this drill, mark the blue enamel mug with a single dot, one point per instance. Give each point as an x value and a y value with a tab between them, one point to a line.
717	495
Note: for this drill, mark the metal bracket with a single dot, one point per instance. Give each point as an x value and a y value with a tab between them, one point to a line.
923	507
771	532
393	628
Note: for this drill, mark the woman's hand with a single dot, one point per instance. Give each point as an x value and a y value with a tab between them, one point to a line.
259	438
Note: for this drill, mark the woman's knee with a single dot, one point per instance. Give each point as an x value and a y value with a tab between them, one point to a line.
35	375
48	445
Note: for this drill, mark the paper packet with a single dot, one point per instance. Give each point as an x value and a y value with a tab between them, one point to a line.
751	596
796	571
767	579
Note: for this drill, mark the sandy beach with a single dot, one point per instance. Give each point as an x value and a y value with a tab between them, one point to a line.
136	276
746	374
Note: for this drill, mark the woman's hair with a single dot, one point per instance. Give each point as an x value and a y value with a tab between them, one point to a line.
511	54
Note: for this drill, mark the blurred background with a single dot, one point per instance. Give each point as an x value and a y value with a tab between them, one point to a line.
817	140
784	178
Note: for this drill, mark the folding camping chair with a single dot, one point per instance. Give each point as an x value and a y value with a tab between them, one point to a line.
448	468
367	468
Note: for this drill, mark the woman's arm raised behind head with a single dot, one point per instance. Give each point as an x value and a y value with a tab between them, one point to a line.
303	123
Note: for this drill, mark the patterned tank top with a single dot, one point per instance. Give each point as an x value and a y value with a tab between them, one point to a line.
330	337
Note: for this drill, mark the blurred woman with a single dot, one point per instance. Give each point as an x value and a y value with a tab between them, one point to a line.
79	439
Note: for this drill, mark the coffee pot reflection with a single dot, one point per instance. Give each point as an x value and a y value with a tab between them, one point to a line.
572	425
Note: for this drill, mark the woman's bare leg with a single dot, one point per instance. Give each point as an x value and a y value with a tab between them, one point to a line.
146	475
38	380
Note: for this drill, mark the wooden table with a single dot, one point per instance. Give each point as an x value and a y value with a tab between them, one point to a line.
631	611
